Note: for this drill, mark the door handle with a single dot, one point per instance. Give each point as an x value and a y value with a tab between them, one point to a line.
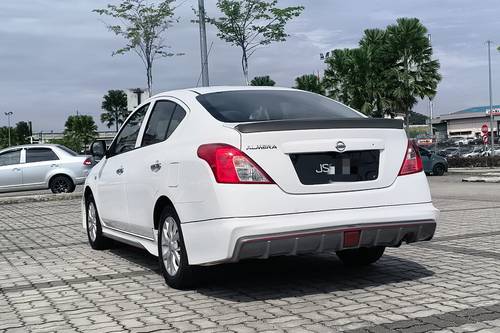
16	169
54	165
119	171
156	167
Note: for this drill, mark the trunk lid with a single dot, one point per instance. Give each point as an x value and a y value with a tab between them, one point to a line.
306	157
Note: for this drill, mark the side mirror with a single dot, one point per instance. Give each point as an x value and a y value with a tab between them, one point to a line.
98	150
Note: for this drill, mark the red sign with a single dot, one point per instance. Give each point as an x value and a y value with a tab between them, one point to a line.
484	129
485	139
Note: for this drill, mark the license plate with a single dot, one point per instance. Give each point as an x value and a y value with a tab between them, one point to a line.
329	167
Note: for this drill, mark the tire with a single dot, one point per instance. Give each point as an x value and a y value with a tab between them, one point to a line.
172	254
438	170
94	229
361	257
62	184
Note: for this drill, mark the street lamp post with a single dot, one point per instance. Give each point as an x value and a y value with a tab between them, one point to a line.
8	114
203	44
491	99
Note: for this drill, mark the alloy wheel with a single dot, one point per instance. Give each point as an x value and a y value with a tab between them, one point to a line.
61	186
170	247
92	221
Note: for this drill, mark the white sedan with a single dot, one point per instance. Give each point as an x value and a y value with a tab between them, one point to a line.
212	175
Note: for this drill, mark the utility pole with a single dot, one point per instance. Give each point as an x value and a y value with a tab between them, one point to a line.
203	44
431	132
8	114
491	100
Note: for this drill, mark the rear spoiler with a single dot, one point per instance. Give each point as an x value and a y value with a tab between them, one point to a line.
300	124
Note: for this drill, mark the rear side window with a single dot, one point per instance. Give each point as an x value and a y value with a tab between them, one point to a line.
10	157
164	119
177	117
40	155
262	105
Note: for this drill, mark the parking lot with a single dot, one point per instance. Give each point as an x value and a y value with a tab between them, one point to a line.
50	280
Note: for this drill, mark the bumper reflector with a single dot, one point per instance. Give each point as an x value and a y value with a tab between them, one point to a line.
351	238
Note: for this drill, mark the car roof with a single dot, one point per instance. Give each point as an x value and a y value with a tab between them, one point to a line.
215	89
35	145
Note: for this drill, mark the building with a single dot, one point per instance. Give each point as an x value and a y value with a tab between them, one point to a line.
466	123
42	137
135	97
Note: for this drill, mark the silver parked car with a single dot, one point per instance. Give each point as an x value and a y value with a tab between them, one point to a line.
32	167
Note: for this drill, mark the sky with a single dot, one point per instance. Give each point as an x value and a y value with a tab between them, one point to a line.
55	55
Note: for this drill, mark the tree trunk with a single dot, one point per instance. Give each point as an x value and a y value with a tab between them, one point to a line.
149	73
116	122
244	66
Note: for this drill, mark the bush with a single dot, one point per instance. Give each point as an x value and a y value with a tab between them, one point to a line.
473	162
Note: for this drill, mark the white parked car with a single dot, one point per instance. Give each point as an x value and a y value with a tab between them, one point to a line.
487	152
461	141
212	175
32	167
476	152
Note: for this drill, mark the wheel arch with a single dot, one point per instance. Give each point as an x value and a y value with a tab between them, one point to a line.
161	203
87	193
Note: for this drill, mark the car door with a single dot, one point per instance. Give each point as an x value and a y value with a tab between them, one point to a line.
155	165
112	177
426	159
39	163
11	176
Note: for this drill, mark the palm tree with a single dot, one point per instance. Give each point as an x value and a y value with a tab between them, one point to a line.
80	131
414	73
262	81
388	71
114	105
309	82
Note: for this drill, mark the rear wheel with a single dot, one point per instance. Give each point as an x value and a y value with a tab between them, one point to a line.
172	252
438	170
362	256
61	184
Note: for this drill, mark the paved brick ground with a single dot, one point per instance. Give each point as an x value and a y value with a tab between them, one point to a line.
50	280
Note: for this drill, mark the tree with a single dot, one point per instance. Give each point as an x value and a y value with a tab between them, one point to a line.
357	76
22	133
143	26
418	118
262	81
309	82
414	73
79	132
386	74
250	24
114	105
4	137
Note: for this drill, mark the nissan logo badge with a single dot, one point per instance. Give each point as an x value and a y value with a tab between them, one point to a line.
340	146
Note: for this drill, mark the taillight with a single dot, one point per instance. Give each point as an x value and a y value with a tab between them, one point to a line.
88	161
412	162
231	166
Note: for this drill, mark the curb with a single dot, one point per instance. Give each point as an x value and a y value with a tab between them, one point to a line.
40	198
472	171
481	180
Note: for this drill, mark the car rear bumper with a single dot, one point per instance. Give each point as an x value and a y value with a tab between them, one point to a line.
80	180
332	239
230	240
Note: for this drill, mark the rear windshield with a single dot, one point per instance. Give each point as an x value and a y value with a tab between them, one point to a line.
67	150
242	106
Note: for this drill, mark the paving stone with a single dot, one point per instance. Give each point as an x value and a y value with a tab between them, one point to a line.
52	280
